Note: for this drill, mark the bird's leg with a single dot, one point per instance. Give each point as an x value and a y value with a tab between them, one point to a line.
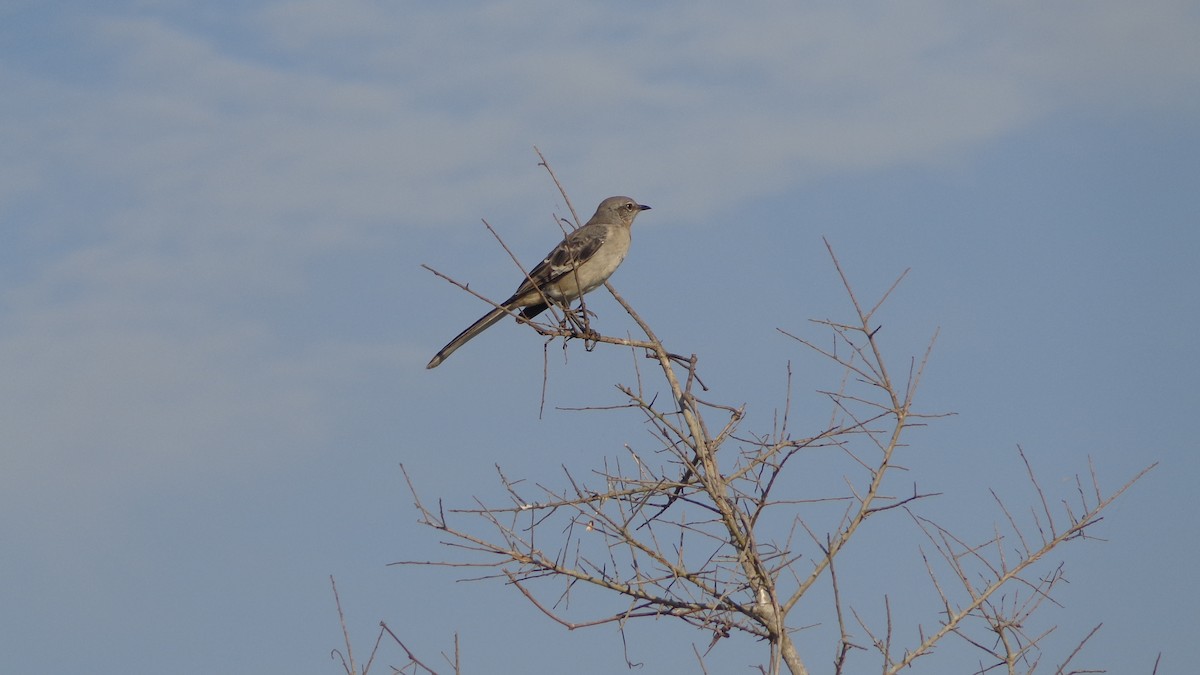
582	323
577	321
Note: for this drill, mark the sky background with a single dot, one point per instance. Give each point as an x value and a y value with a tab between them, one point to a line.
214	326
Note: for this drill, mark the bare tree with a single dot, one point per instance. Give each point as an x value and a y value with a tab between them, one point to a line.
710	528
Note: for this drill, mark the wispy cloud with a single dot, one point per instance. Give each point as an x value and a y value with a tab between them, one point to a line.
207	162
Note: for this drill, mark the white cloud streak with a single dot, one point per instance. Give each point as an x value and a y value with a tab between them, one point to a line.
195	177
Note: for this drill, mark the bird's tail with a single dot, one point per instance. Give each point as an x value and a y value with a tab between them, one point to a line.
485	322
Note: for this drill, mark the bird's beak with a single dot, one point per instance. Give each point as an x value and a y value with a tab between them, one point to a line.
643	207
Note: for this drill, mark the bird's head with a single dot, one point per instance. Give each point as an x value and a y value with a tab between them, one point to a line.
619	210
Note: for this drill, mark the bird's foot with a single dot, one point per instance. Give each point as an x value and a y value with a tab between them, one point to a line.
576	320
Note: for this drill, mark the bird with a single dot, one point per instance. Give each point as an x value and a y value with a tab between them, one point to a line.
581	262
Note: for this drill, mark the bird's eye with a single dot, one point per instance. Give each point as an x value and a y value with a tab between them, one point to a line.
628	206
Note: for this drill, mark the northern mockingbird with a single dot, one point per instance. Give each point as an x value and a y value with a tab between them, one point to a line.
579	264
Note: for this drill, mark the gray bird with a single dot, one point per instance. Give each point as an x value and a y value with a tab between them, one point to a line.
579	264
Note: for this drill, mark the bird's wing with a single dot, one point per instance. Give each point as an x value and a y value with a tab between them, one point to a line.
576	249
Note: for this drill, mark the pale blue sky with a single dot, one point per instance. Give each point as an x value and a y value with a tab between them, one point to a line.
213	326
